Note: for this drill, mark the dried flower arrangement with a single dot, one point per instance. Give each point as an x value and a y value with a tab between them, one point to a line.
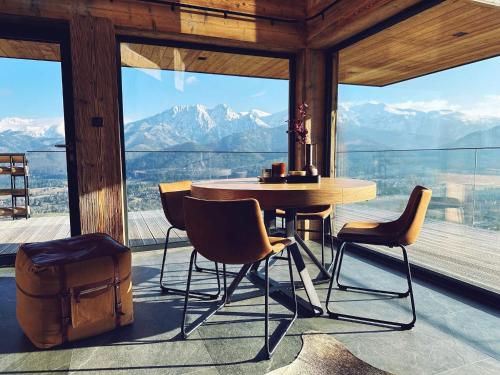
298	125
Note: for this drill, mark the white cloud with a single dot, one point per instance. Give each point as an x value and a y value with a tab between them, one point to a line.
485	106
425	106
489	106
191	80
258	94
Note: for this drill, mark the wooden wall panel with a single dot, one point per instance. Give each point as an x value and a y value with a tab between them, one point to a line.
98	150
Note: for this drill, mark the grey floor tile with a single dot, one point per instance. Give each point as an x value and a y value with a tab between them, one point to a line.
452	335
488	366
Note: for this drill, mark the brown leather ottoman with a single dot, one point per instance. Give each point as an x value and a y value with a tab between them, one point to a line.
73	288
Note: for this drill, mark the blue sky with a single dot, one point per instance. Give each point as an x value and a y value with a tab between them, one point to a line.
32	89
473	88
147	92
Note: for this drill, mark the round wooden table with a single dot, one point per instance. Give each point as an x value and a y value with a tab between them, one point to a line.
328	191
272	196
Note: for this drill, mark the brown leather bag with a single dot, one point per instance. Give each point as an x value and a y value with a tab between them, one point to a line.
73	288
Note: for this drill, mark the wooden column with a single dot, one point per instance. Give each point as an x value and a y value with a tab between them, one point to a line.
310	89
98	150
334	110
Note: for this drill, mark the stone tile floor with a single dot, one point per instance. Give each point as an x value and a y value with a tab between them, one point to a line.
452	335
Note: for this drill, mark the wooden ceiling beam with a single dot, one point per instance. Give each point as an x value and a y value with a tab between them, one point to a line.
138	18
347	18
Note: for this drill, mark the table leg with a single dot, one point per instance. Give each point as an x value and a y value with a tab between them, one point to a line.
315	304
234	284
312	306
324	274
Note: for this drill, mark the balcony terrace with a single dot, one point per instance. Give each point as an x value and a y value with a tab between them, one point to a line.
459	251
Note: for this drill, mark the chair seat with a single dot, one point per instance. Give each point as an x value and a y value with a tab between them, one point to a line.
279	243
309	213
369	233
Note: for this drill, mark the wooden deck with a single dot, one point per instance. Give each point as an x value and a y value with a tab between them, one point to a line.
469	254
146	228
466	253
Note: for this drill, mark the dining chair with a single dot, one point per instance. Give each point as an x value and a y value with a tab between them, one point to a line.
398	233
321	214
233	233
172	194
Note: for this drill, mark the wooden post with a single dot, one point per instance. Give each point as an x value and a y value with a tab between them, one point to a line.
97	126
333	120
310	89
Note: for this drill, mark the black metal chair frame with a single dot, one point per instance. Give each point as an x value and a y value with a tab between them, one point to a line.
270	348
167	289
403	326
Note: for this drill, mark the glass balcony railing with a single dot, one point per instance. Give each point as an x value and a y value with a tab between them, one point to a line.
461	235
146	169
465	182
47	182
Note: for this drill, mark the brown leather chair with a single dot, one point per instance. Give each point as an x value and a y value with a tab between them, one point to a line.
316	213
233	232
172	194
399	233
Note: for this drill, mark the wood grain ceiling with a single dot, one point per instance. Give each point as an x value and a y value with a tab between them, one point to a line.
450	34
21	49
168	58
199	61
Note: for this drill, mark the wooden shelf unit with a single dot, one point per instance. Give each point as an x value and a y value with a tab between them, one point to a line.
16	166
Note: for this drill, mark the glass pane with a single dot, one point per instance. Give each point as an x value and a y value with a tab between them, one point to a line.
196	115
33	184
425	132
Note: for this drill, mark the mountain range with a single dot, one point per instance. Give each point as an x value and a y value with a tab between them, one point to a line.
366	126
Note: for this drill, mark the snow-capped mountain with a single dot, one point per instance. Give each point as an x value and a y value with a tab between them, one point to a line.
21	134
200	125
376	126
362	126
45	127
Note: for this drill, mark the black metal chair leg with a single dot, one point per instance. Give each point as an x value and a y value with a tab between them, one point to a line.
360	319
330	234
270	349
186	331
410	288
378	291
167	289
323	242
164	255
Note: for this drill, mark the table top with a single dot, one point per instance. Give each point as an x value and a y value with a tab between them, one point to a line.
270	196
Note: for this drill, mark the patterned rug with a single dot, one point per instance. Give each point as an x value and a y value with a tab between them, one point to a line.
322	354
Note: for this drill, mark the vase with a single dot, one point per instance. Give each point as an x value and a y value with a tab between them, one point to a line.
309	167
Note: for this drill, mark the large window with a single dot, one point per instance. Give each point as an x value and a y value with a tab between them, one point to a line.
33	173
441	131
193	114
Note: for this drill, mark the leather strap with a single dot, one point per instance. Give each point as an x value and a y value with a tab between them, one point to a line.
118	296
65	301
